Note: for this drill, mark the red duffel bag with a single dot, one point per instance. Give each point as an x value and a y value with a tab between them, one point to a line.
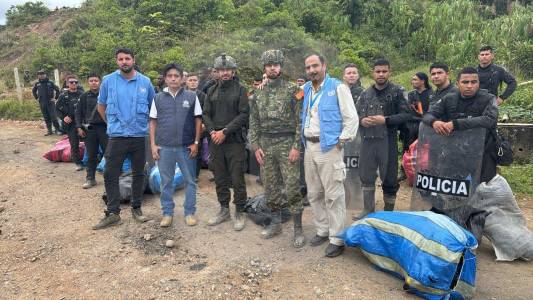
61	151
409	160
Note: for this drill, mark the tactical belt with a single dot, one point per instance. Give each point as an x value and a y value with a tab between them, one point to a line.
313	139
277	134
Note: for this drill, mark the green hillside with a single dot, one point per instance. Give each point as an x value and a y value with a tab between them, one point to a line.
409	33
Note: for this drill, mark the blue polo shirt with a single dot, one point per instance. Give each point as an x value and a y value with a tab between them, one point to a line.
127	104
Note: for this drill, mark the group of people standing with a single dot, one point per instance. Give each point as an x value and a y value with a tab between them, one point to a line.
316	115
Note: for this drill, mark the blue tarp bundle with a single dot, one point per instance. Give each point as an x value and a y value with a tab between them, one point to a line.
85	158
154	179
126	166
433	254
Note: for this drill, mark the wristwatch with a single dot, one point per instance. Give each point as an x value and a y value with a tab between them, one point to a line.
225	131
196	142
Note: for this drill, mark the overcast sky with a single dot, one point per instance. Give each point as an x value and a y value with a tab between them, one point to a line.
6	4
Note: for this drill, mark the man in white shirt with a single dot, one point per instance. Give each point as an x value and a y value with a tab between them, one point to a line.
329	120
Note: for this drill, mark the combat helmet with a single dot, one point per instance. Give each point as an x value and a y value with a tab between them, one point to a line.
272	57
225	62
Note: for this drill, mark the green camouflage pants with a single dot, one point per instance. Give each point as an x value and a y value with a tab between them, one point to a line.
277	169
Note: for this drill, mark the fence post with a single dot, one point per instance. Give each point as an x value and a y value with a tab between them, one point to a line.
56	78
17	83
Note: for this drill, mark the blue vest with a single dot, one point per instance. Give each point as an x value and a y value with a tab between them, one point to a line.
329	114
127	104
175	119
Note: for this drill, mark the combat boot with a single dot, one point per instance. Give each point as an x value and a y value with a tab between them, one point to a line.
137	215
89	183
369	201
274	228
222	216
299	237
389	202
49	132
108	220
238	224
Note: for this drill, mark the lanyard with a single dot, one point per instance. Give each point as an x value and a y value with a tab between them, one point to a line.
313	99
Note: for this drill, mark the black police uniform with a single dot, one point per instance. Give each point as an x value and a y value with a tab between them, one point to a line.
226	107
465	113
492	76
379	144
440	93
66	106
88	119
356	90
44	91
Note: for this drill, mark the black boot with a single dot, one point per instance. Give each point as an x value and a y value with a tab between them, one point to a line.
389	202
299	238
369	200
274	228
49	127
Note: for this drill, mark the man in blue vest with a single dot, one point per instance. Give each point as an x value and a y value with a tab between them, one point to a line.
329	119
175	128
123	102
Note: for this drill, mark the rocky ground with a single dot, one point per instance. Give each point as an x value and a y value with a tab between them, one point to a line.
48	250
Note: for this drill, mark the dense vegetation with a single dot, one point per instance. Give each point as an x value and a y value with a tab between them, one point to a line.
410	33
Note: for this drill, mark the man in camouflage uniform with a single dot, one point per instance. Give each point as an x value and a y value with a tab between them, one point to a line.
275	137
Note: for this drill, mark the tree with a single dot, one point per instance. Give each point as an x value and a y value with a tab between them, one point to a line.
27	13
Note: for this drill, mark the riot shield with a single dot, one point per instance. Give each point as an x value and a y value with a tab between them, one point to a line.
352	183
447	169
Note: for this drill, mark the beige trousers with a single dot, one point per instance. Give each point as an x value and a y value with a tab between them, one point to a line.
324	176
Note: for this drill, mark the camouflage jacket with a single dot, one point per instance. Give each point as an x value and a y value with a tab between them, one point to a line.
275	112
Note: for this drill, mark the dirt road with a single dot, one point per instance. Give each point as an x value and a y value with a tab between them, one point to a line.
48	250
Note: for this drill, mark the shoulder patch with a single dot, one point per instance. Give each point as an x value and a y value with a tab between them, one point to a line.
299	95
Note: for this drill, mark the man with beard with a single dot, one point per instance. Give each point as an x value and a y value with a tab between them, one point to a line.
92	127
66	110
225	115
352	79
125	96
44	91
329	119
382	107
440	77
275	137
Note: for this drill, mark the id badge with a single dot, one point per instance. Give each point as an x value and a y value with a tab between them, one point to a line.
308	119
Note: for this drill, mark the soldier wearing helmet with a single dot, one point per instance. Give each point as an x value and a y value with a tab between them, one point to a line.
275	137
225	115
